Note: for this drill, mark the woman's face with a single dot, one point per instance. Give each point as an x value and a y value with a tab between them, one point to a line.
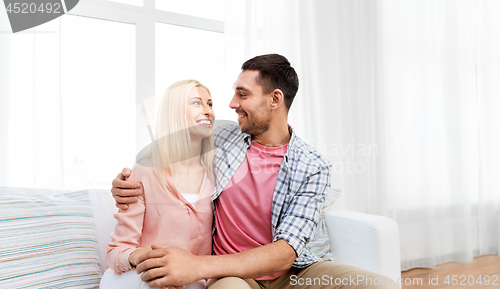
199	113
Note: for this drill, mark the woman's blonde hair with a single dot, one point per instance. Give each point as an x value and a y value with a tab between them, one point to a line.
172	133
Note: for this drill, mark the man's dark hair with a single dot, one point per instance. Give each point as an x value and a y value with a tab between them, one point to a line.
275	72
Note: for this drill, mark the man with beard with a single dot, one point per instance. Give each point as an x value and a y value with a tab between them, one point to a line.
269	195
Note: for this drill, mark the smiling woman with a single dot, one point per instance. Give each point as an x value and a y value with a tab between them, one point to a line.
176	177
199	113
178	137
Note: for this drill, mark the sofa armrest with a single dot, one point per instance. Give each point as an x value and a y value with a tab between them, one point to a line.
366	241
103	205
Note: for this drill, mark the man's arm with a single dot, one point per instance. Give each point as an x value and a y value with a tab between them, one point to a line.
175	266
125	192
303	212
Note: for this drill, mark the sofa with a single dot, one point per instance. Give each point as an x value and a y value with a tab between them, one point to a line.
57	238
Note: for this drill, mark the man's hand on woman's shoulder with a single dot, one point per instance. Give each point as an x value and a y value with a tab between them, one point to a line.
125	192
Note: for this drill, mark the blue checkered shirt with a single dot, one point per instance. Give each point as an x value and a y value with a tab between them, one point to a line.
299	194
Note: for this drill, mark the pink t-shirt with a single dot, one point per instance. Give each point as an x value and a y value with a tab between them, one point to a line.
243	209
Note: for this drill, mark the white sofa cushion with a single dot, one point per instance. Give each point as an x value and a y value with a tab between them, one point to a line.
103	205
367	241
47	239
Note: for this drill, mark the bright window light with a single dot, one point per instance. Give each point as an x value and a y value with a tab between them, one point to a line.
130	2
213	9
186	53
98	100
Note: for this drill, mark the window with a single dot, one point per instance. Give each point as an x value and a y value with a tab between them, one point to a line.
98	99
200	56
130	2
214	9
76	85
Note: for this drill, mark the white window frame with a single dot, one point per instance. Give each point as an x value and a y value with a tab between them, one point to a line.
144	18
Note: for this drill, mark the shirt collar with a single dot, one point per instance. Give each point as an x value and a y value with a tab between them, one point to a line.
248	140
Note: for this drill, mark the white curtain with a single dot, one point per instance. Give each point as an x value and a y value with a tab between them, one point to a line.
403	98
438	97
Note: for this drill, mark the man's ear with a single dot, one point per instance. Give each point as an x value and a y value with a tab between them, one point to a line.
278	99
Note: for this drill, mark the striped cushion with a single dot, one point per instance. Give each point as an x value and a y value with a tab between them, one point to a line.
47	240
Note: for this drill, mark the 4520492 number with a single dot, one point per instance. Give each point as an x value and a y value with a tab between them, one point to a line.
458	280
31	8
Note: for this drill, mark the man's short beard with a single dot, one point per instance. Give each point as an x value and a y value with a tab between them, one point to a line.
256	128
253	128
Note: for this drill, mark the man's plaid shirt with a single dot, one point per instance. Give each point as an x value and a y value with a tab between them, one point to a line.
299	194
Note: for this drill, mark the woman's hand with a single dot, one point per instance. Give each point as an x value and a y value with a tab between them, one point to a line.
136	254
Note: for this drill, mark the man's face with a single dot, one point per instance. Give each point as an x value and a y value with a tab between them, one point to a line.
250	103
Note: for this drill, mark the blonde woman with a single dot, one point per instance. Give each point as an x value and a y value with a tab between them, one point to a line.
176	175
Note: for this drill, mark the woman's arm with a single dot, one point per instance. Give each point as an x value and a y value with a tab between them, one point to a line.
128	231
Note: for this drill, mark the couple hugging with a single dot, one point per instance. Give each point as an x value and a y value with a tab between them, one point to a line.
239	216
